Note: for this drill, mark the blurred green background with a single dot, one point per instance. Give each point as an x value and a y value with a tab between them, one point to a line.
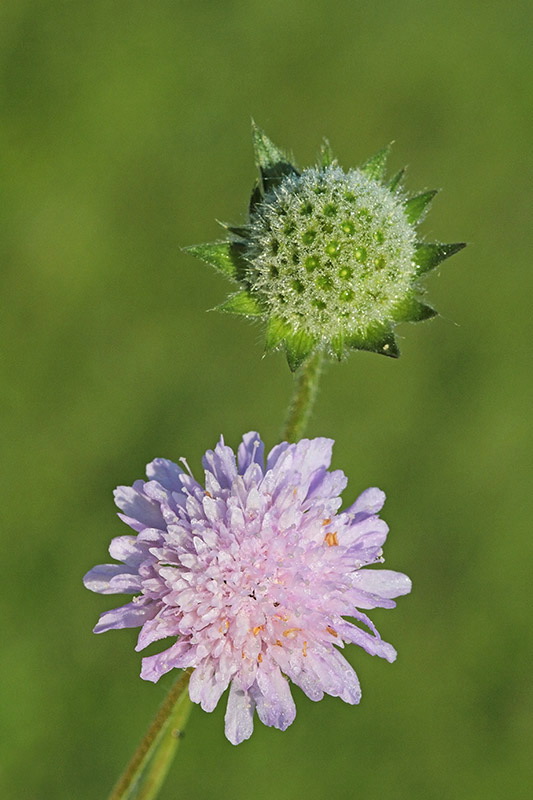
124	136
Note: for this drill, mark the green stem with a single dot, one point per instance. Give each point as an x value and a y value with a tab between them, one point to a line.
303	397
144	775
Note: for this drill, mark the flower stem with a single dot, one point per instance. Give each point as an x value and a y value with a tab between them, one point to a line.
303	397
144	775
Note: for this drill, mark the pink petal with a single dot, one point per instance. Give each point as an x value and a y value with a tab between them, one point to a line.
383	582
251	450
138	507
126	549
179	655
129	616
369	502
221	462
239	717
206	685
166	473
103	579
272	695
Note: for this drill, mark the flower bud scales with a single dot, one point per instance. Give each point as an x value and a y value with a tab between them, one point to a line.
330	259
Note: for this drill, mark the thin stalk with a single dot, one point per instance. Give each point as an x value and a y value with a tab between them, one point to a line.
306	381
144	775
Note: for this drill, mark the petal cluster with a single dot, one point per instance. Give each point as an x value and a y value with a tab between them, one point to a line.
253	574
329	259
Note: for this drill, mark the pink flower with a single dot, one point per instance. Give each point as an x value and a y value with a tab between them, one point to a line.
253	574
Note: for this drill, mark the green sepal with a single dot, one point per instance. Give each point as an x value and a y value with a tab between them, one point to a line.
375	166
379	338
265	151
416	207
221	256
241	303
326	154
396	180
276	332
412	310
256	198
428	256
272	162
242	231
298	346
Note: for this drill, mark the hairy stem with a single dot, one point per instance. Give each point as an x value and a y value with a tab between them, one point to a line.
144	775
306	381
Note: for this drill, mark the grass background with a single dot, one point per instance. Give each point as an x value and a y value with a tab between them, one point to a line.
124	135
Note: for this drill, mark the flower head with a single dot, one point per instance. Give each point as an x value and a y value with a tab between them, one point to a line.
254	572
330	259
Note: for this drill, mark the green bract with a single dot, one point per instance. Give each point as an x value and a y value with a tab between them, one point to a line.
330	259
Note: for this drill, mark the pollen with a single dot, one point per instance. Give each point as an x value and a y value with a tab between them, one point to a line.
332	631
257	628
331	539
326	521
304	650
291	633
260	657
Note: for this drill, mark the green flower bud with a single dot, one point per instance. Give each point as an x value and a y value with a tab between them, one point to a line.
330	259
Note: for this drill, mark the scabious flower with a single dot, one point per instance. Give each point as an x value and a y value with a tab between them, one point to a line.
330	259
254	572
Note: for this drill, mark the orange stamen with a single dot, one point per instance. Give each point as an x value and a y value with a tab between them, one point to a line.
291	632
331	539
332	631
